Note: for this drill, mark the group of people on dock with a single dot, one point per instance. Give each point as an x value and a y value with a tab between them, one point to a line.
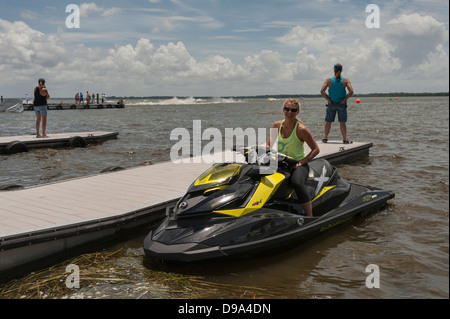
90	98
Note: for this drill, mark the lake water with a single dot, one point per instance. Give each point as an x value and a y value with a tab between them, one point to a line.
408	241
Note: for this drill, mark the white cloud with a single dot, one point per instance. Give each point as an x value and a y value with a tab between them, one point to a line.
163	26
87	8
375	60
110	12
414	37
315	39
24	48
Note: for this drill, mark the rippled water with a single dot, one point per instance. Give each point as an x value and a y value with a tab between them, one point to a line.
408	241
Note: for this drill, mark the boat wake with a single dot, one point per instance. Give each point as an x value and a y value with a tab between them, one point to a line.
188	101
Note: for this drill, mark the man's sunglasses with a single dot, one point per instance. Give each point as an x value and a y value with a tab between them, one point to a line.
292	110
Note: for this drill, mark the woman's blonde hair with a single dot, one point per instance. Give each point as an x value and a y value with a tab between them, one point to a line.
292	101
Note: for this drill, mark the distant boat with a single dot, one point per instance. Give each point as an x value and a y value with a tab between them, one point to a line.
17	108
13	106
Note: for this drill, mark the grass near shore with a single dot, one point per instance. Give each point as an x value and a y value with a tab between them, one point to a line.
115	275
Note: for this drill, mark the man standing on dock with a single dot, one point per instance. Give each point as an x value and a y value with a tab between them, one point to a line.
337	102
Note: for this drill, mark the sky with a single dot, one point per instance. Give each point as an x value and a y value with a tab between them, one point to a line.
222	47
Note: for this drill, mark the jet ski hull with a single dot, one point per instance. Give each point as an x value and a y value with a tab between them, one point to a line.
262	232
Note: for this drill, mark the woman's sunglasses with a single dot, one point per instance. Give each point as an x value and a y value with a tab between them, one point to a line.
292	110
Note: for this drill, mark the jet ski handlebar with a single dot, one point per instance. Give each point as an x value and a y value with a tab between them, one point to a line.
287	159
262	155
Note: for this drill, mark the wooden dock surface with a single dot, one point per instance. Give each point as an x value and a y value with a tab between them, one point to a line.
93	198
34	219
54	140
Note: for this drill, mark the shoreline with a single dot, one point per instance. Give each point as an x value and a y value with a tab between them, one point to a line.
280	96
263	96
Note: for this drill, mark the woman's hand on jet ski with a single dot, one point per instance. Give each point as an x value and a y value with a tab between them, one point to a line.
291	162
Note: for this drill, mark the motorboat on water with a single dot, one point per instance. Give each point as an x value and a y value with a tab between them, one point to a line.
244	210
13	106
16	108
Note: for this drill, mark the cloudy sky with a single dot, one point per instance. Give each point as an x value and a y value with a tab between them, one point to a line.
222	47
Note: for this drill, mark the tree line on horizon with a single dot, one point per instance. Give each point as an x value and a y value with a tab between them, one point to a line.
285	96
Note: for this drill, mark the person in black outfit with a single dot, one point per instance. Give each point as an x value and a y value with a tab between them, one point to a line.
40	107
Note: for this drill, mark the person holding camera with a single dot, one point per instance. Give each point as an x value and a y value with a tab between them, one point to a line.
40	107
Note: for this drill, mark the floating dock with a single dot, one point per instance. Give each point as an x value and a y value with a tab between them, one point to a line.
39	223
73	106
17	144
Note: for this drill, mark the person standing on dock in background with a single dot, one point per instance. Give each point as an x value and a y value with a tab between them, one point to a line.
88	99
40	107
337	102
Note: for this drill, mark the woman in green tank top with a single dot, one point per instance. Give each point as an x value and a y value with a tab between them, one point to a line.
292	134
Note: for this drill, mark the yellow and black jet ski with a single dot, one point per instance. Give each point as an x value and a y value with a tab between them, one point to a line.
243	210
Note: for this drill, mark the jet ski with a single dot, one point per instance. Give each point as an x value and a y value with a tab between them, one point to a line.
244	210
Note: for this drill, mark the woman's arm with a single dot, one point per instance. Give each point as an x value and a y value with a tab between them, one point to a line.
275	127
44	92
305	135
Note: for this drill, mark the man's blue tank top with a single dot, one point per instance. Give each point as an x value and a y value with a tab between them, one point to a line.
337	92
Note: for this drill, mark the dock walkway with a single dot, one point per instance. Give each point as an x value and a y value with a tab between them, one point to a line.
16	144
39	222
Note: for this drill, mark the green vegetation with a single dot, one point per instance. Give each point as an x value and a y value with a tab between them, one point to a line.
282	96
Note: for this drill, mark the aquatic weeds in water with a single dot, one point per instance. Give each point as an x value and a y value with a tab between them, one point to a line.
116	275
